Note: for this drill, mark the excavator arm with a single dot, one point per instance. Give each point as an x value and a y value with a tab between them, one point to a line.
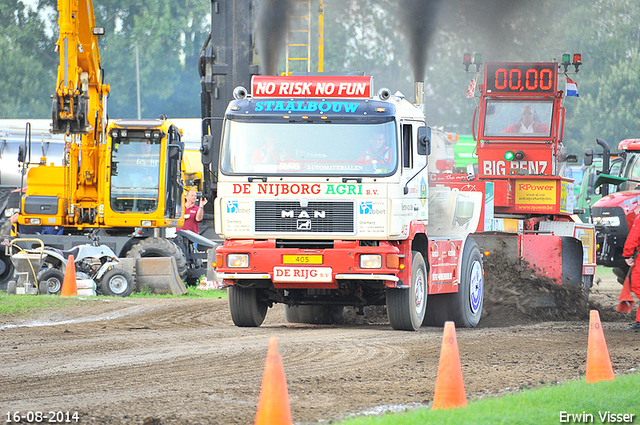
78	103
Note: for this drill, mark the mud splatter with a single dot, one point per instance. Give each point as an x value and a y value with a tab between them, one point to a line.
519	294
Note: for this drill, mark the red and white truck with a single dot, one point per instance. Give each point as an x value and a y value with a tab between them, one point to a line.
323	201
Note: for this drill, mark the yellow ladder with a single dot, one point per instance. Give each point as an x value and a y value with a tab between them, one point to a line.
299	38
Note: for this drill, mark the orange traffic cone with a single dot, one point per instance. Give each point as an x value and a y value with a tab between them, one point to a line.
625	300
69	285
449	384
273	404
598	361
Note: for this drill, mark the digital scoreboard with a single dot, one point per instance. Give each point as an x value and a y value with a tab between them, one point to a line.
509	78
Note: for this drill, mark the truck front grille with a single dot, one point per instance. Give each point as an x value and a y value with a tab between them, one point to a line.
316	217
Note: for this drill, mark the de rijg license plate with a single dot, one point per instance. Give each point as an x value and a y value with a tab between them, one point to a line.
301	274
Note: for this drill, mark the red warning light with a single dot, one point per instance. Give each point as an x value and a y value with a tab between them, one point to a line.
577	60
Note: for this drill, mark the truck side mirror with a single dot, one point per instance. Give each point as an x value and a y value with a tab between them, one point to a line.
20	153
205	149
424	141
588	157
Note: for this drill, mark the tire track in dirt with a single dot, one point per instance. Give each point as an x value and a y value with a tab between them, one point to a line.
168	363
63	318
183	362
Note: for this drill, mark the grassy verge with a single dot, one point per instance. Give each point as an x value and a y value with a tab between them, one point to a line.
192	292
22	305
590	403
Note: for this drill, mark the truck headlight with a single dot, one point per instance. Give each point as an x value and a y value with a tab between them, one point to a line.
238	260
370	261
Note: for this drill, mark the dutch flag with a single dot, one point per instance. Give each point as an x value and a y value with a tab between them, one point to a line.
572	88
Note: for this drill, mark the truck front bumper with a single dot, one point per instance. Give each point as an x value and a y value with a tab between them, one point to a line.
290	268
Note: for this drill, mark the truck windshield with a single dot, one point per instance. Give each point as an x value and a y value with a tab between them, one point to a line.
135	174
510	118
309	148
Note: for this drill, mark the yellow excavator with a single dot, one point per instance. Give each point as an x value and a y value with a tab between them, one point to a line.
122	180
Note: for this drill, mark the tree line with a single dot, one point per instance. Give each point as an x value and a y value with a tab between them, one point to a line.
359	35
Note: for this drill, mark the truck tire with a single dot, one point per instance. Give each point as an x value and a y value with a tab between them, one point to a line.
116	283
406	308
50	281
468	301
245	307
313	314
159	247
465	306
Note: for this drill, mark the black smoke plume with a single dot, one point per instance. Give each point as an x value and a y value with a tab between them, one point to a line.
272	23
417	21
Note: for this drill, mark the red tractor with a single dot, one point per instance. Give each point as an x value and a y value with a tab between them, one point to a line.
528	202
614	213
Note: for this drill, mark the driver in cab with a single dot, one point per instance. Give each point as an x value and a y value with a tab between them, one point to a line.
528	123
378	151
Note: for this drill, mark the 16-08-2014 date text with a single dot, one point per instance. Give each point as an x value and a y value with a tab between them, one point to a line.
50	417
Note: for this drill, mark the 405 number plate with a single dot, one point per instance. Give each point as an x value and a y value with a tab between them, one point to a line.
302	259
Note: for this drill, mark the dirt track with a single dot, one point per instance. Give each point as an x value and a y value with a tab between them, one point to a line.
181	361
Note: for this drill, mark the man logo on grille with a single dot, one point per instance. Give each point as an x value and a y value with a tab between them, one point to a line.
303	214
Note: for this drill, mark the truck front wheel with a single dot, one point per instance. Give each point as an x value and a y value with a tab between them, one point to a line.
406	307
465	306
245	307
468	301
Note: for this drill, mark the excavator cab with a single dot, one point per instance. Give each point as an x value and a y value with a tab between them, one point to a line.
146	157
135	182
